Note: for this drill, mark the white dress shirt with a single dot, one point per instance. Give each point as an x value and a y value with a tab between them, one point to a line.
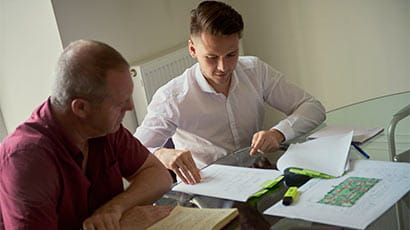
211	125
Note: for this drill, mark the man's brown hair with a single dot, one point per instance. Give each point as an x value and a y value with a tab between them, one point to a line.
81	72
216	18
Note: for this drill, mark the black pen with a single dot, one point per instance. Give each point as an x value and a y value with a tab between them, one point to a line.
360	150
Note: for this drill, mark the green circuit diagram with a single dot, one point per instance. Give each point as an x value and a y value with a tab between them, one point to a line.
349	191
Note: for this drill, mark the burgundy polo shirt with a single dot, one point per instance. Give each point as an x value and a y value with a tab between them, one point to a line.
42	185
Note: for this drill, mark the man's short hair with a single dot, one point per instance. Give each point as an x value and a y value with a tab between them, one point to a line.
216	18
81	72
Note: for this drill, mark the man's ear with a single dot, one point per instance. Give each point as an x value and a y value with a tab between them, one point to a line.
192	50
80	107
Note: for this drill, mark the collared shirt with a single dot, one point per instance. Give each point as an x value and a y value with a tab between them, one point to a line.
42	185
211	125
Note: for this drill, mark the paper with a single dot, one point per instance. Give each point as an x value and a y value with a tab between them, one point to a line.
360	133
394	182
183	218
229	182
325	155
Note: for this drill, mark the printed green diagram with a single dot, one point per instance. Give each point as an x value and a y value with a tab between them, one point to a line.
349	191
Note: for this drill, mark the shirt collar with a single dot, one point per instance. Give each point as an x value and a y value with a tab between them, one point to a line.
56	131
206	87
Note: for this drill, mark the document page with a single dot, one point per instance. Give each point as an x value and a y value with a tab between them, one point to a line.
377	186
360	133
229	182
183	218
325	155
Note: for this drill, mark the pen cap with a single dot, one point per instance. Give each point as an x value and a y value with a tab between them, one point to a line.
290	195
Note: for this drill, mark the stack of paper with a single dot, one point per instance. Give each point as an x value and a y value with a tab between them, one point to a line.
325	155
360	133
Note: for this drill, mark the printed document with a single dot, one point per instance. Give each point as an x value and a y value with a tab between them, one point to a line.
325	155
360	133
229	182
393	182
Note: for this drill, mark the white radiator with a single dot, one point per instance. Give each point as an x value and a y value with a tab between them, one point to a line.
151	75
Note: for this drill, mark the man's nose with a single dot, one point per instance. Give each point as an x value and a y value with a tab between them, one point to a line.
222	64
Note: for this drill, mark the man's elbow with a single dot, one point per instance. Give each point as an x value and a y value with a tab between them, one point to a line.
166	180
322	113
162	175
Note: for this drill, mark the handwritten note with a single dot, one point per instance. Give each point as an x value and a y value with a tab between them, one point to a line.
229	182
183	218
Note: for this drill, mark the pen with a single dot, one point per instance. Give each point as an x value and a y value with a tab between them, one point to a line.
290	195
360	150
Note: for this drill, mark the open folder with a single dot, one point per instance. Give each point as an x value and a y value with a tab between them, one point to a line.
328	155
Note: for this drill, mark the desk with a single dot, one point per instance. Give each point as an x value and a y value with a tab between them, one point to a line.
377	112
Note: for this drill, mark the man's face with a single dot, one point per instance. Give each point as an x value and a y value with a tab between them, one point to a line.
217	57
107	116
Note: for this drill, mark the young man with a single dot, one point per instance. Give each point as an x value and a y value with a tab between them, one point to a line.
217	105
63	167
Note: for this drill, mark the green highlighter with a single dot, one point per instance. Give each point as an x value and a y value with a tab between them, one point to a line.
265	186
310	173
290	195
297	177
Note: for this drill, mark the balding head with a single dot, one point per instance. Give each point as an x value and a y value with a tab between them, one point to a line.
81	72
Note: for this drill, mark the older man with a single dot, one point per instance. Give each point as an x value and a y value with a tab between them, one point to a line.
63	167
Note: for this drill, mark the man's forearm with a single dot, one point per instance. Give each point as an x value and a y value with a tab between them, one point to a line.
146	186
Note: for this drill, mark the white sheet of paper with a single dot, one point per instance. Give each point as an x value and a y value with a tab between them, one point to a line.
326	155
229	182
395	182
360	133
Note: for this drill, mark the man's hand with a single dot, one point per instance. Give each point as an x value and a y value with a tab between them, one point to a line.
181	163
266	141
106	217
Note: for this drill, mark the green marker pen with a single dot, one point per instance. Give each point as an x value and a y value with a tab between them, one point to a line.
290	195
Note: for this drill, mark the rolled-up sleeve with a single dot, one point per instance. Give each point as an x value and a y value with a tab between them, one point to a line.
304	112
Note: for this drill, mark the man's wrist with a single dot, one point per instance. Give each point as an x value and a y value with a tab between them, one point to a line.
279	135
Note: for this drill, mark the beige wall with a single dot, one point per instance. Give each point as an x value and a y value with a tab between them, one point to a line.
138	29
29	47
340	51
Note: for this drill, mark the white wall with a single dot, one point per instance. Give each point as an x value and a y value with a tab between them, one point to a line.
29	48
139	30
3	130
340	51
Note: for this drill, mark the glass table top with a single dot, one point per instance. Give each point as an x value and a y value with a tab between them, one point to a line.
373	113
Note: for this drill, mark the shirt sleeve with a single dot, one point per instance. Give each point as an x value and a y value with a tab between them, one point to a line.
28	191
303	111
159	124
131	153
